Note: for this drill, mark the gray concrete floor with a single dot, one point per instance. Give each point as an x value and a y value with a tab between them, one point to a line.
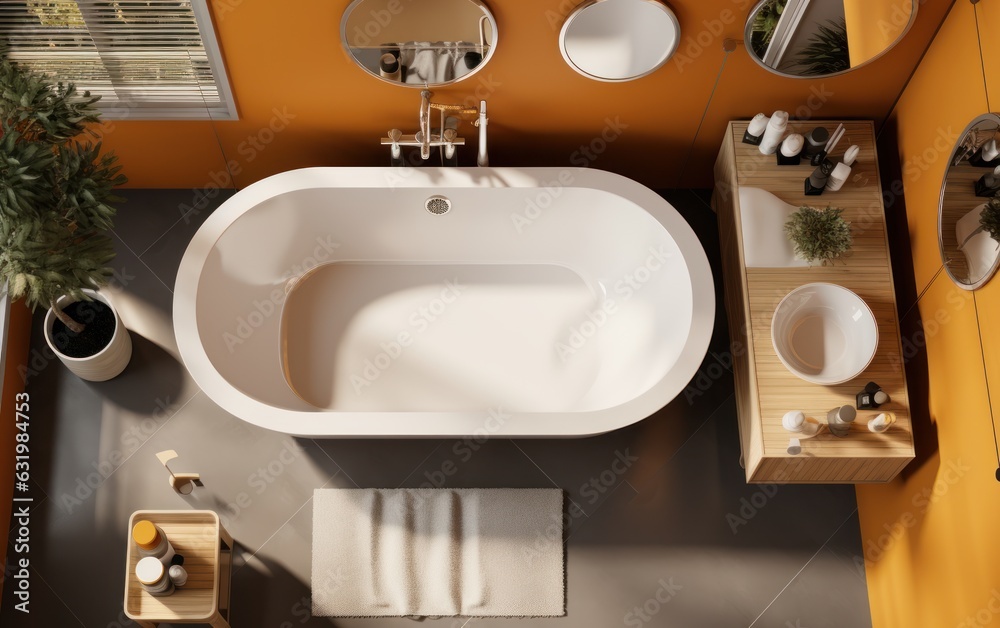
677	539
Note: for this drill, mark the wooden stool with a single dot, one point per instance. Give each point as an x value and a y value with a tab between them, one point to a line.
208	551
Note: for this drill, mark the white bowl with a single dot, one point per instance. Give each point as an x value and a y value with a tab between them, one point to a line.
824	333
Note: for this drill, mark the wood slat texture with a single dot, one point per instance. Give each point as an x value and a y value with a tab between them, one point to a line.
765	389
198	536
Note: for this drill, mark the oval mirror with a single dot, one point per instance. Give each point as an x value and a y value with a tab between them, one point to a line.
419	43
619	40
814	38
968	209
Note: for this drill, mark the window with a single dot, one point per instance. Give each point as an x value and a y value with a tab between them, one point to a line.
147	59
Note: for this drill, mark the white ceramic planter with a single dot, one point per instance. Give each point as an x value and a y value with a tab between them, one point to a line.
106	363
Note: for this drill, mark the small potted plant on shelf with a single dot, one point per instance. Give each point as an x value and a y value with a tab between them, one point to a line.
819	235
989	218
56	190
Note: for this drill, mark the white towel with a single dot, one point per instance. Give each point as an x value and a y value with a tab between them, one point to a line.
434	62
438	552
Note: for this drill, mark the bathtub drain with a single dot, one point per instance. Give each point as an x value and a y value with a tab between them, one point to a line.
437	205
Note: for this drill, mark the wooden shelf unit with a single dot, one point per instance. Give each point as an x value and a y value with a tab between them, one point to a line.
765	389
207	547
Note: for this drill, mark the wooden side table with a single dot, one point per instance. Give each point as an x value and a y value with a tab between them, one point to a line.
207	547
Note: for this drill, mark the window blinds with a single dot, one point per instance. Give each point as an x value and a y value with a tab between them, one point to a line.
149	58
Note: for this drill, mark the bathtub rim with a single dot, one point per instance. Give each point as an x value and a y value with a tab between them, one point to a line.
317	423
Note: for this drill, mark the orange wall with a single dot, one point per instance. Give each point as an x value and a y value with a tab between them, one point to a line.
871	26
930	537
541	111
19	334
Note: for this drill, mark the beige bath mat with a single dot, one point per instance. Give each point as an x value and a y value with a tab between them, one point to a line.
438	552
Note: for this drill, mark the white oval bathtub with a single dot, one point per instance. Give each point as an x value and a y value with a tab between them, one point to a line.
547	302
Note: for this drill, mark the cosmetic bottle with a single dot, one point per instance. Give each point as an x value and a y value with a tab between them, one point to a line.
755	130
816	140
988	156
774	132
178	575
152	542
789	154
840	419
871	397
882	422
795	421
152	574
989	183
851	155
816	182
838	177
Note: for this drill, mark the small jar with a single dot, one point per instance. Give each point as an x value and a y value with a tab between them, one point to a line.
882	422
152	574
178	575
152	542
815	140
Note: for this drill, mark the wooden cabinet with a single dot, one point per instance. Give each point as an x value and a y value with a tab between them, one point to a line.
765	389
199	536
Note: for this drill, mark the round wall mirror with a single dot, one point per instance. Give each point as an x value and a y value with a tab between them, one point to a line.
619	40
969	209
816	38
419	43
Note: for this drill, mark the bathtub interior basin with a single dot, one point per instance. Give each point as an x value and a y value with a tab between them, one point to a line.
447	337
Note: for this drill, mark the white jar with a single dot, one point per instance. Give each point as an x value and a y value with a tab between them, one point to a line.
152	574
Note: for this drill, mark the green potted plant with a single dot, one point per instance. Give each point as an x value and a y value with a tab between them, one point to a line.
819	235
56	190
989	218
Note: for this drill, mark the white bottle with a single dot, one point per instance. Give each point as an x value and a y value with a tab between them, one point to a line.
838	177
792	145
796	422
756	128
775	131
851	154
